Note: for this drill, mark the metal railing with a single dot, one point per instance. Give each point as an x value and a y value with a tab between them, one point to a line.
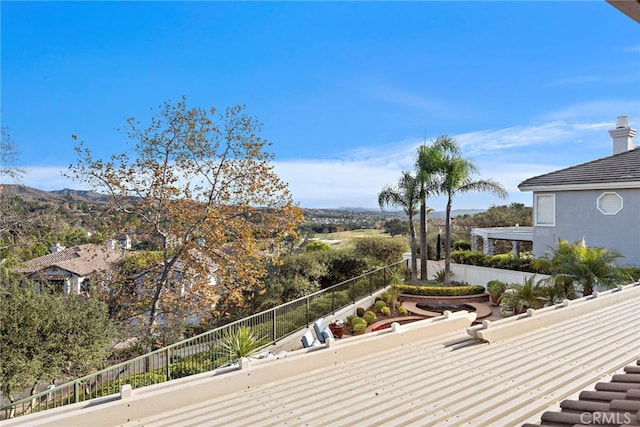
203	353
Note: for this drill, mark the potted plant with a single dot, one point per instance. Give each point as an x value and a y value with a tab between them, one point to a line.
337	327
530	295
509	301
495	288
520	297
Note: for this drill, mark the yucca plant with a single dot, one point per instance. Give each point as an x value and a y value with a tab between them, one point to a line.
240	342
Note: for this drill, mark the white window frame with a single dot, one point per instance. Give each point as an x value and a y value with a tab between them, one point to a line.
606	193
552	198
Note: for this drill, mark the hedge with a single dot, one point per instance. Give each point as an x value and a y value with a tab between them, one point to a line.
503	261
450	291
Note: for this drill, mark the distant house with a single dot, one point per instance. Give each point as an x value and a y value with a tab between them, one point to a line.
68	269
598	201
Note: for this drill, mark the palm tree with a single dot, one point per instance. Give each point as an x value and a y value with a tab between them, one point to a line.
428	173
587	267
405	195
457	178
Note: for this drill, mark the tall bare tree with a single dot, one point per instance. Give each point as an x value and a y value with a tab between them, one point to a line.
202	186
8	155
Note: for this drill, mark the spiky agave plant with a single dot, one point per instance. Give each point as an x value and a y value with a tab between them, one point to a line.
240	342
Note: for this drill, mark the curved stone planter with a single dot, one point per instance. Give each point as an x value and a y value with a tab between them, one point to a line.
440	300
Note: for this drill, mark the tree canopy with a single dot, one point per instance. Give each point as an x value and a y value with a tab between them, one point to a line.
200	185
45	336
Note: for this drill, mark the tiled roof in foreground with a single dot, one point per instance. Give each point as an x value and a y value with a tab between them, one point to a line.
441	371
614	403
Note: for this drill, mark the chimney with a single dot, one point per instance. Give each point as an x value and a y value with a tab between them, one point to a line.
622	135
56	248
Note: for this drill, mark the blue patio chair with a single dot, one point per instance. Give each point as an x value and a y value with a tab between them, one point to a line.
309	341
322	331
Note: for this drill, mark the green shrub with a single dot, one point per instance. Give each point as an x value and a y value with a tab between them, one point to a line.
442	290
403	311
358	320
504	261
440	275
193	330
370	317
496	287
359	311
379	305
461	245
382	251
136	381
317	245
360	328
385	311
185	369
386	297
632	272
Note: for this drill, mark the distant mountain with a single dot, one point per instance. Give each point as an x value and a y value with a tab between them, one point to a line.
57	196
455	213
67	194
435	214
82	195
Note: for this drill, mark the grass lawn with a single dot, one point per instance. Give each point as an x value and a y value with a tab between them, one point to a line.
346	237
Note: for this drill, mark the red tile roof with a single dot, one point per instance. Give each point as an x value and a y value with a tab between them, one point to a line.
612	403
79	260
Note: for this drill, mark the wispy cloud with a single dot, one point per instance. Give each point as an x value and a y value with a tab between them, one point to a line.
508	155
590	111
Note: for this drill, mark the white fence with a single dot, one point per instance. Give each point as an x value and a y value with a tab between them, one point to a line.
475	275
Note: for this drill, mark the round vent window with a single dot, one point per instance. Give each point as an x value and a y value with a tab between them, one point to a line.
609	203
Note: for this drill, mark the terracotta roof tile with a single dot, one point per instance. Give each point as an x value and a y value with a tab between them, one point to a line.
609	408
80	260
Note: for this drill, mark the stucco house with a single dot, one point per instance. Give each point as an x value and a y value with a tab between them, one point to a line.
598	201
67	269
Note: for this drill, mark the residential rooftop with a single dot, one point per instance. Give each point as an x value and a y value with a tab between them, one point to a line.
619	169
80	260
440	371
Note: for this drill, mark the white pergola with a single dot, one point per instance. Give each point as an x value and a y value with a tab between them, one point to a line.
490	235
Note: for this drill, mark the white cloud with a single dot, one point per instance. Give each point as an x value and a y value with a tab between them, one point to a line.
596	109
508	155
632	49
48	178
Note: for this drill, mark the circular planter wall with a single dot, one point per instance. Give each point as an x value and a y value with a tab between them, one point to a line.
440	300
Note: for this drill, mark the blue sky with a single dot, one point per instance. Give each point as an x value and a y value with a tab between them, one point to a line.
346	91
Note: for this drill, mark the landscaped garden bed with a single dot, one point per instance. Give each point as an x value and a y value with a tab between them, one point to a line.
380	315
